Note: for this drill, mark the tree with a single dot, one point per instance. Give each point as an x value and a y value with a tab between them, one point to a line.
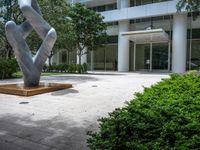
8	11
55	12
89	28
189	5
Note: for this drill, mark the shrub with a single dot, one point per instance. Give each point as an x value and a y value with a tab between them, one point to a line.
166	116
76	68
85	68
72	68
7	68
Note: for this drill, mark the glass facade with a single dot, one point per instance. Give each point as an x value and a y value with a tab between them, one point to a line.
104	58
142	61
147	56
66	57
193	43
144	2
151	57
160	56
105	7
195	55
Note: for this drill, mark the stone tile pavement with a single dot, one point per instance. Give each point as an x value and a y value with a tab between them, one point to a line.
60	120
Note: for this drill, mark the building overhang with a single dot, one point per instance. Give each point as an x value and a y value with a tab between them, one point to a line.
147	36
142	11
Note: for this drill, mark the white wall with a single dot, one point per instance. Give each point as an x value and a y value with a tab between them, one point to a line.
143	11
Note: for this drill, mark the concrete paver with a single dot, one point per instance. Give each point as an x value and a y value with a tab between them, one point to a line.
60	120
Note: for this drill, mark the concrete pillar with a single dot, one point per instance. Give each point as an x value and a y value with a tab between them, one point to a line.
83	57
123	48
179	43
123	43
92	61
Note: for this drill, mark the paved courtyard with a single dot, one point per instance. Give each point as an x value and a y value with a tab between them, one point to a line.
60	120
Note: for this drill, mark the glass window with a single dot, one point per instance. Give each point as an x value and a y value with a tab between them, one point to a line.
144	2
195	54
131	56
113	39
160	56
111	6
101	8
111	57
132	3
195	33
112	23
142	57
72	57
188	55
64	57
99	59
138	2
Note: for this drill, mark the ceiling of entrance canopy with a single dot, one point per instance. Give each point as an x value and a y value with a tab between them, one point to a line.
147	36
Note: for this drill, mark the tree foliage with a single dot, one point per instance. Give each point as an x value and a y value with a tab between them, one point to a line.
189	5
77	27
164	117
89	28
8	11
53	11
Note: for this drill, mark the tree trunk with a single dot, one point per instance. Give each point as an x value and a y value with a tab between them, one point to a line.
8	51
50	63
79	59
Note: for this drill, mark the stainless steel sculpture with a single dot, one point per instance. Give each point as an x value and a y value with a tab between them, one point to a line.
16	35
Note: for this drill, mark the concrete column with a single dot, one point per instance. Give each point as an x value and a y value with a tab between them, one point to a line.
179	43
92	61
123	48
123	43
83	57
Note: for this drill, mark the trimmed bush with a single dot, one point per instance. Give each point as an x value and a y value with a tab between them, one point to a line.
72	68
163	117
7	68
85	67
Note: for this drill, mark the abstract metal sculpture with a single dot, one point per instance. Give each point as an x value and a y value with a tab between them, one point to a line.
16	35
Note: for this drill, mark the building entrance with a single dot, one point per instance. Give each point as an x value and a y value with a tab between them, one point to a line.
151	50
152	57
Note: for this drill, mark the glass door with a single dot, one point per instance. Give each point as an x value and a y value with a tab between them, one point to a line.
151	57
160	56
142	57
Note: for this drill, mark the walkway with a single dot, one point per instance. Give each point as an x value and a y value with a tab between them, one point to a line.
60	120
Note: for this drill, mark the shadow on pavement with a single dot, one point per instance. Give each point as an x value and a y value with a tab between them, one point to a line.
23	133
70	78
107	74
64	92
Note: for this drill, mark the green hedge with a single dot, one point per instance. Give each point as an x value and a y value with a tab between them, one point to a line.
164	117
7	68
72	68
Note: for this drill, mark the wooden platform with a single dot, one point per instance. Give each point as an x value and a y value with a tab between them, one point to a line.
20	90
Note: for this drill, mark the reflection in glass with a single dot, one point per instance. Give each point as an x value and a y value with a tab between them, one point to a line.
142	57
111	57
99	59
195	55
160	56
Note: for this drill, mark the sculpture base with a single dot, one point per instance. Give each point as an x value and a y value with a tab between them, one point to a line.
20	90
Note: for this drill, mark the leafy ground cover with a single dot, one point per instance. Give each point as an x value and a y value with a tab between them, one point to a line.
165	116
